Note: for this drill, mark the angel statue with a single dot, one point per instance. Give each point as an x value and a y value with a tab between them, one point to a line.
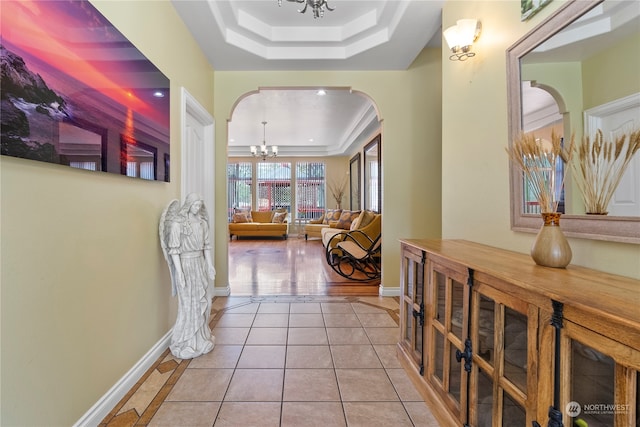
184	237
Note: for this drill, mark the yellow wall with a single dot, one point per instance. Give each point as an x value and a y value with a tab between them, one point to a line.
85	288
475	168
408	103
612	74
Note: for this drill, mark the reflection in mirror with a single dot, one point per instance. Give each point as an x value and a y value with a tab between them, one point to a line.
138	160
574	61
372	175
354	182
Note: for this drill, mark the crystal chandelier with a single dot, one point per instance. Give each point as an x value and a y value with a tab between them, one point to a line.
318	6
264	150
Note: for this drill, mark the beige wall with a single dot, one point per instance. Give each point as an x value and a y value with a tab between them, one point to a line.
408	102
85	288
475	175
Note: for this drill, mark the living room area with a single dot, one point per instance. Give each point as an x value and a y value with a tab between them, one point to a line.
296	210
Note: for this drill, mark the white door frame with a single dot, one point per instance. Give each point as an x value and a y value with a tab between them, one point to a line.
201	167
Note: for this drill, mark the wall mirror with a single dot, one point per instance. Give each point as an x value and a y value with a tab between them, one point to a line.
556	61
372	175
354	182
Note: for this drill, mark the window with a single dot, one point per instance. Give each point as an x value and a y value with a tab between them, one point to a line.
273	181
238	186
310	190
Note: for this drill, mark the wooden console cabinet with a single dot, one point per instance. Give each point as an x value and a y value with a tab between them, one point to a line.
489	338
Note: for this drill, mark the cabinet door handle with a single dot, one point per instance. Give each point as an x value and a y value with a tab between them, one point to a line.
466	355
419	314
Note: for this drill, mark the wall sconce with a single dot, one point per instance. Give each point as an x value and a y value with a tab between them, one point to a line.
461	36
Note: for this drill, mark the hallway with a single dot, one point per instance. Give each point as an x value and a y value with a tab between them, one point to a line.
288	361
295	345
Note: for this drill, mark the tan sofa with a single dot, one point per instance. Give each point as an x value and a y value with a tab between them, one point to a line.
259	224
330	218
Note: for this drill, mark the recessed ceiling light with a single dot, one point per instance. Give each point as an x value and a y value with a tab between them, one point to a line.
158	94
310	139
321	92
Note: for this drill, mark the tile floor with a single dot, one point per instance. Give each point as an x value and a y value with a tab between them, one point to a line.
284	361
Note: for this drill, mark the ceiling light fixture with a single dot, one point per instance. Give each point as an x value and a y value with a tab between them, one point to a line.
461	37
264	150
318	6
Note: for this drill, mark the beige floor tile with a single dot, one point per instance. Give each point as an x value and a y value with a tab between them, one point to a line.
310	385
235	320
374	320
262	357
376	414
355	356
388	355
306	320
255	385
305	307
343	336
341	320
198	385
222	356
359	307
185	414
274	308
307	336
249	414
272	336
385	302
383	335
336	308
271	320
420	414
246	308
312	414
403	385
230	336
365	385
221	303
309	356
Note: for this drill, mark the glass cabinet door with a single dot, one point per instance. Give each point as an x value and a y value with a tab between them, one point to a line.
412	306
601	377
500	372
449	299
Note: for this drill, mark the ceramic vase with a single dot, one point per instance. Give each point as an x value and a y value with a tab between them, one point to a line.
551	248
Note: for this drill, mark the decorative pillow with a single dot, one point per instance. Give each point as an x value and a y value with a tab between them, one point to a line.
240	217
279	217
367	217
246	212
262	216
356	223
332	215
346	218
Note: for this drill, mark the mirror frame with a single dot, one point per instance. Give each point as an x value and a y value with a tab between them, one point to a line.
609	228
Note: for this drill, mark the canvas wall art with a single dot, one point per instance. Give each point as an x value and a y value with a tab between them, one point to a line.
76	92
531	7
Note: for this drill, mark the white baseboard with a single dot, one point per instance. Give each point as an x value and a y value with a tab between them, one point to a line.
222	291
387	291
101	409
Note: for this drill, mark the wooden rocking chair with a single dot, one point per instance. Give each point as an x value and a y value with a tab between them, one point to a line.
356	256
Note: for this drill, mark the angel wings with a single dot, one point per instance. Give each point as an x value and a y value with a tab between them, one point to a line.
170	214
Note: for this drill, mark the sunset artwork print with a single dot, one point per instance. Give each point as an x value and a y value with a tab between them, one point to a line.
76	92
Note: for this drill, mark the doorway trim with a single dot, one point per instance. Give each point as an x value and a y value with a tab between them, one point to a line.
202	166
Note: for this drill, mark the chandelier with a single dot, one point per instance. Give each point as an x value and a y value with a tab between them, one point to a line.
318	6
264	150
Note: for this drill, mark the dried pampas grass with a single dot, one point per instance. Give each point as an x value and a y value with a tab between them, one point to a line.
599	167
537	159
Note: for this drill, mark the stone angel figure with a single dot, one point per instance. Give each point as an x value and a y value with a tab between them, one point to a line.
184	237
